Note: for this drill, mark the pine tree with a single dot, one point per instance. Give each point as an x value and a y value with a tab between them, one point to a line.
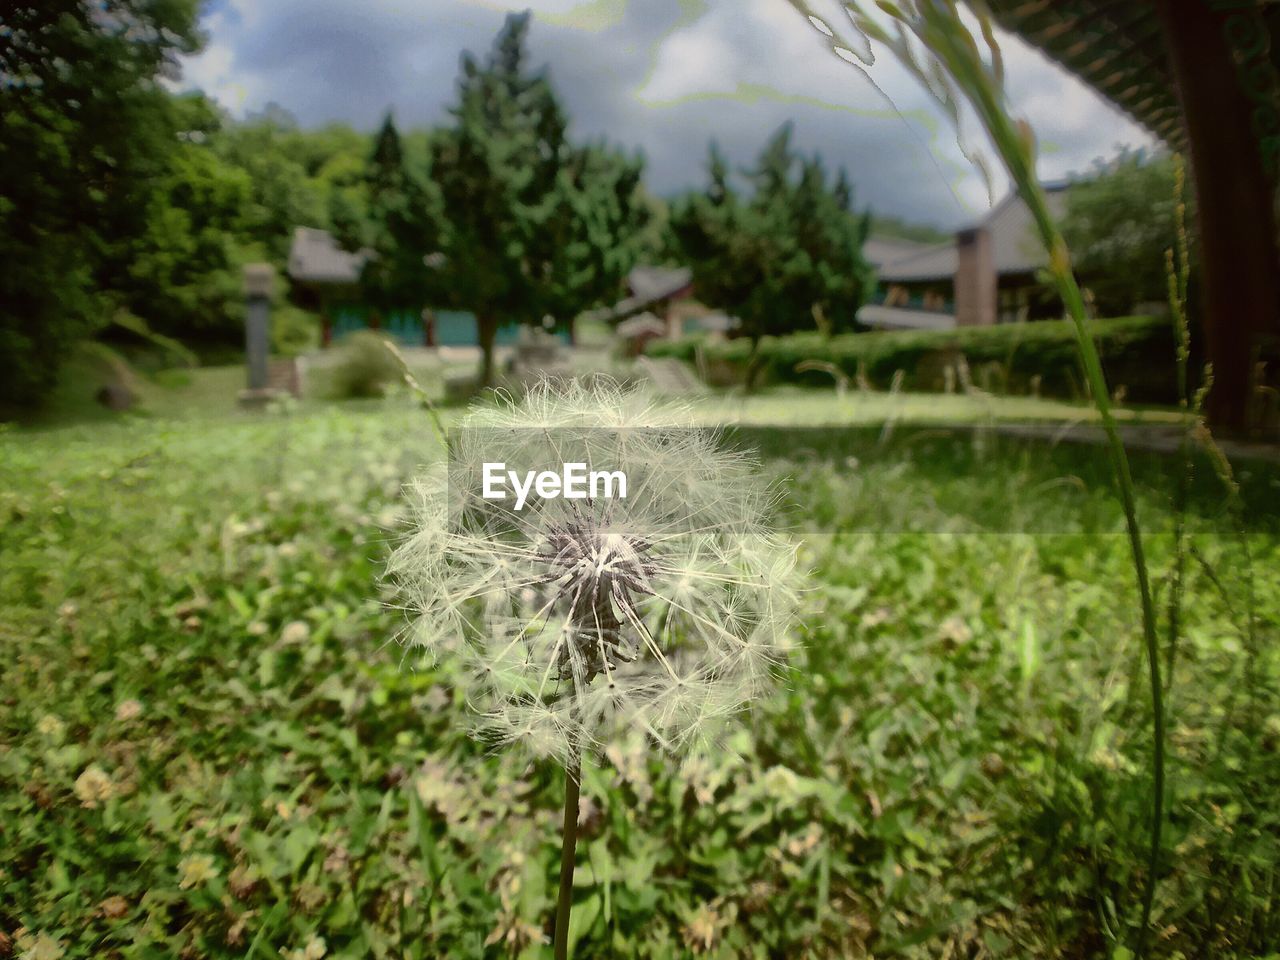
789	255
599	227
386	163
400	224
498	170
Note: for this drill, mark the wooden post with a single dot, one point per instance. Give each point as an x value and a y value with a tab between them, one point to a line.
1219	52
428	327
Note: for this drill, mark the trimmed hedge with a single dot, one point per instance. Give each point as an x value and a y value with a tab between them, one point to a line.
1137	352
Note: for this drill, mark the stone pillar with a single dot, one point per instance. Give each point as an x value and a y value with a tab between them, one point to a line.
975	280
259	280
1220	52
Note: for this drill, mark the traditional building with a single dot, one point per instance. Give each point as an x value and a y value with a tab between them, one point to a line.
664	292
989	273
638	331
323	276
326	279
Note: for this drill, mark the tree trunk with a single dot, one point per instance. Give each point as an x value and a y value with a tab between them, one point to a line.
1218	52
487	331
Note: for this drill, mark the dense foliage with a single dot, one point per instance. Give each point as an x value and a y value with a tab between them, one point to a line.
1119	223
391	215
124	205
86	136
1004	358
209	748
786	256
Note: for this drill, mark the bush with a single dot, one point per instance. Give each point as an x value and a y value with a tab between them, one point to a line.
293	330
1138	352
365	367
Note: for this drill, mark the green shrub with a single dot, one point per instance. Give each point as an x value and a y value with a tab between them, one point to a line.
293	330
364	368
1137	352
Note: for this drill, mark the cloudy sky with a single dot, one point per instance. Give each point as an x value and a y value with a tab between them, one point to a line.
665	76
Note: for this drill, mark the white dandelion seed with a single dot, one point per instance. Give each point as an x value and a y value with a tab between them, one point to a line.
665	612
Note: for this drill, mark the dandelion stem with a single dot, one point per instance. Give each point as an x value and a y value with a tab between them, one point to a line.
568	849
411	382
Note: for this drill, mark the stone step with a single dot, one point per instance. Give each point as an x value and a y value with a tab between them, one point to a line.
285	375
669	375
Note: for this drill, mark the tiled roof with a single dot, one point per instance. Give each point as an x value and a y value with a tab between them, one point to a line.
315	257
879	251
641	325
933	263
648	284
1015	247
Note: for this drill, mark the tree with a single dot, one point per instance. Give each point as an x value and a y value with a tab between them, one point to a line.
181	274
498	170
86	130
601	225
271	150
719	236
883	225
1119	225
785	258
386	164
395	218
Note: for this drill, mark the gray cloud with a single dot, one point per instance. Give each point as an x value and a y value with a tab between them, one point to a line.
648	76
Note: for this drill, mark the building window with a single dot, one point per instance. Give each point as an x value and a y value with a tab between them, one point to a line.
1014	304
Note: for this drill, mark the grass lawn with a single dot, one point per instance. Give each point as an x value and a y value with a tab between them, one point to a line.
209	747
211	392
792	406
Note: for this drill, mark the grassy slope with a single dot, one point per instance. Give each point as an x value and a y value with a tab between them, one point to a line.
950	766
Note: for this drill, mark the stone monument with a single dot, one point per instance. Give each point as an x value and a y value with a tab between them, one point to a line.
259	281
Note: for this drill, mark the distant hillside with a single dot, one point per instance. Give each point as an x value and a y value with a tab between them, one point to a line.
896	228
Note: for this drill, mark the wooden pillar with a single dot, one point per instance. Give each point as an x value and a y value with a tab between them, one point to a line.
428	327
669	314
1219	52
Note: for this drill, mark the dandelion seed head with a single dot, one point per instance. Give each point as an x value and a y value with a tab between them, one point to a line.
662	613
